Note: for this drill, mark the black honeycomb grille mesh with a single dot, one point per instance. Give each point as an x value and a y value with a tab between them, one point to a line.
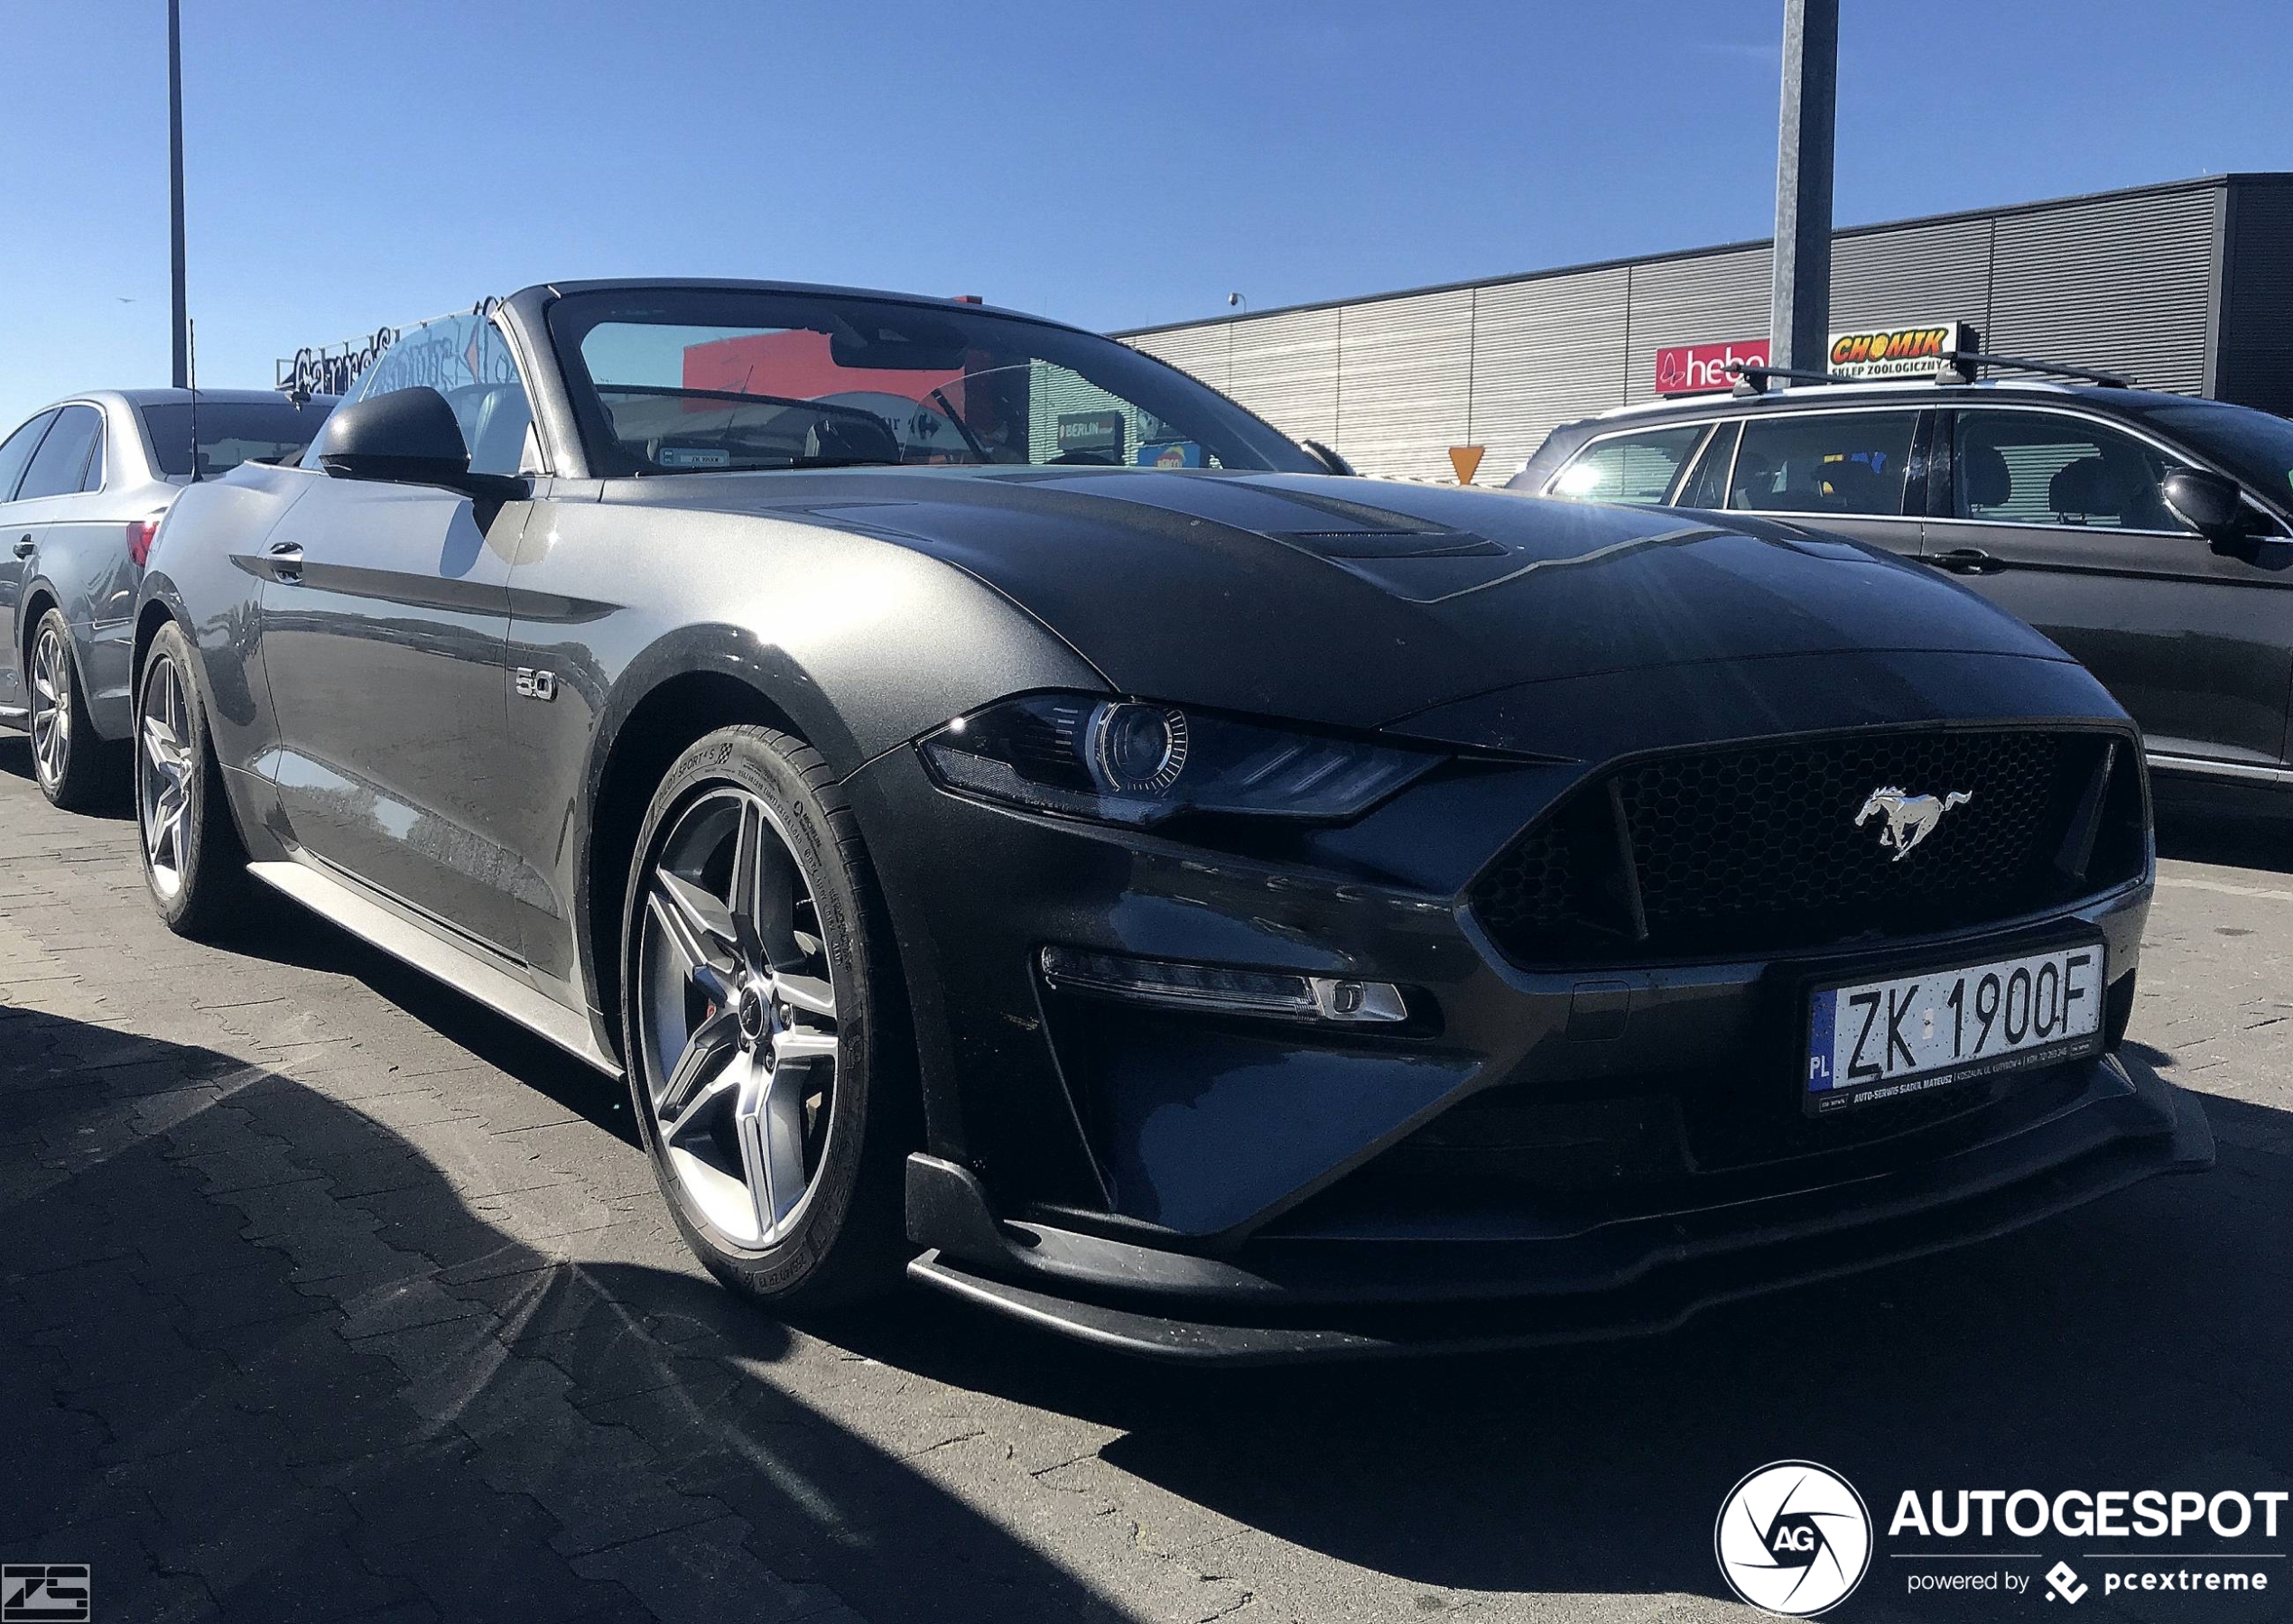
1756	849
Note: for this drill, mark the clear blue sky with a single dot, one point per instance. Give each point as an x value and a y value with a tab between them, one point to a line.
358	161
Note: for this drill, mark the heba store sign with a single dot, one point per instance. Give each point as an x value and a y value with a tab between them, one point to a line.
1702	368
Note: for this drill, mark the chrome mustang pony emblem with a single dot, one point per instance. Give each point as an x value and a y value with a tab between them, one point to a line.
1910	819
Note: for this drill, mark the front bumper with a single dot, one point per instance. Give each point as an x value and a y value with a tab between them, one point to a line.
1537	1155
1635	1276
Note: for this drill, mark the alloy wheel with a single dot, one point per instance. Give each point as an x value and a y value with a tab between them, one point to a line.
736	1018
164	774
51	705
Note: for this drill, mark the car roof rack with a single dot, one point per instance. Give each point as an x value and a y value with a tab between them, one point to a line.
1752	378
1959	367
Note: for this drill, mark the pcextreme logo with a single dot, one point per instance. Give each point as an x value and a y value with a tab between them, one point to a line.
1793	1537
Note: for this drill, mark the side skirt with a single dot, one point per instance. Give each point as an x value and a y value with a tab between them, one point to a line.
504	994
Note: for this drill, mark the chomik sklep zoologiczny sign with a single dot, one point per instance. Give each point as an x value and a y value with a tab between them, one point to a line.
1914	352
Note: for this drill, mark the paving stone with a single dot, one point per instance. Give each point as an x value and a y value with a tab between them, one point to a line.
705	1575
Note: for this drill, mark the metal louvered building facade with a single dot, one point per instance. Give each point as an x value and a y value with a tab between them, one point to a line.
2186	286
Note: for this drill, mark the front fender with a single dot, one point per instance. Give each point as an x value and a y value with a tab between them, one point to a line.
658	625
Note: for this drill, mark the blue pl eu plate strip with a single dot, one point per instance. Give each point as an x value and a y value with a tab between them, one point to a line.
1820	1031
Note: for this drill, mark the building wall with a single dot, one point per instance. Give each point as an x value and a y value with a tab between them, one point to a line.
2127	282
2255	361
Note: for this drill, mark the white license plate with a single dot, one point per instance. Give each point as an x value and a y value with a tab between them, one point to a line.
1881	1040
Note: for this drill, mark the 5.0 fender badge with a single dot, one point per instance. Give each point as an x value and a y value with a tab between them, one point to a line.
533	684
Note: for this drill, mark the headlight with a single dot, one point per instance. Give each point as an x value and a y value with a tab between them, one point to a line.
1132	761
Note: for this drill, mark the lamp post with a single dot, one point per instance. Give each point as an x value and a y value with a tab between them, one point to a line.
179	313
1799	313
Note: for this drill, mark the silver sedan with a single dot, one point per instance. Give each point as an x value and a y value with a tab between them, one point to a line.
83	486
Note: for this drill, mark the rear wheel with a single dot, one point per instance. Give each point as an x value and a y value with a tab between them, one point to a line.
76	768
767	1067
192	858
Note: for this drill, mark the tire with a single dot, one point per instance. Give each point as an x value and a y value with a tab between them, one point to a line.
76	768
193	861
770	1067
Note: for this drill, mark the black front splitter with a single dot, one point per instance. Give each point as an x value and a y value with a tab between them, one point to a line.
1659	1301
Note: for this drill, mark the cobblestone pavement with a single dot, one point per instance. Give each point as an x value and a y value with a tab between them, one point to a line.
324	1294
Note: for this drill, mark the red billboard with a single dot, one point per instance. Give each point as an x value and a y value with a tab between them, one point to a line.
1700	368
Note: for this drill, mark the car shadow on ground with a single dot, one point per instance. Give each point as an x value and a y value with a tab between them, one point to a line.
256	1351
283	932
115	804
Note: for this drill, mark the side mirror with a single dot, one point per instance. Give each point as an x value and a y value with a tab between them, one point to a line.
1327	457
408	435
2209	503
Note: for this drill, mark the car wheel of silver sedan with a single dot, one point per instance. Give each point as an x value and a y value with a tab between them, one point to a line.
753	1003
75	768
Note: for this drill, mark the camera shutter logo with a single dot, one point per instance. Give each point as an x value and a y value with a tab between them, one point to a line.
1793	1537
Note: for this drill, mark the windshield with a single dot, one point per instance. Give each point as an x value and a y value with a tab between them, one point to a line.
2255	446
688	381
231	432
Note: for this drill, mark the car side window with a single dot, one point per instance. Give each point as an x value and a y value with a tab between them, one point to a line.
2039	467
60	463
1634	469
1832	462
466	358
16	450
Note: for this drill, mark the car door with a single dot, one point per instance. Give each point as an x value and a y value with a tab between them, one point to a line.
82	556
17	541
68	461
1846	471
385	616
2057	518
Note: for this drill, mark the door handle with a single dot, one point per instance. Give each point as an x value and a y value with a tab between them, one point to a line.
24	546
1964	561
286	561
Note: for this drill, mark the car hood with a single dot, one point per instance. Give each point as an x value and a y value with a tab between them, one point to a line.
1358	602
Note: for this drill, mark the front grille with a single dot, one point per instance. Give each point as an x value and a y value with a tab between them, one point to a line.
1755	849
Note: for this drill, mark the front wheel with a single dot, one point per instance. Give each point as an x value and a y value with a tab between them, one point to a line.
192	858
768	1067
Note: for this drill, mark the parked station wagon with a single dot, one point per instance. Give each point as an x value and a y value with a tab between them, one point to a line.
2150	535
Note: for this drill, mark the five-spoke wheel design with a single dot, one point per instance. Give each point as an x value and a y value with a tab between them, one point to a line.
164	786
51	705
735	1017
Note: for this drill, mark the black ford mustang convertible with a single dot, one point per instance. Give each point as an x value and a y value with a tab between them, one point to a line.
1009	812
